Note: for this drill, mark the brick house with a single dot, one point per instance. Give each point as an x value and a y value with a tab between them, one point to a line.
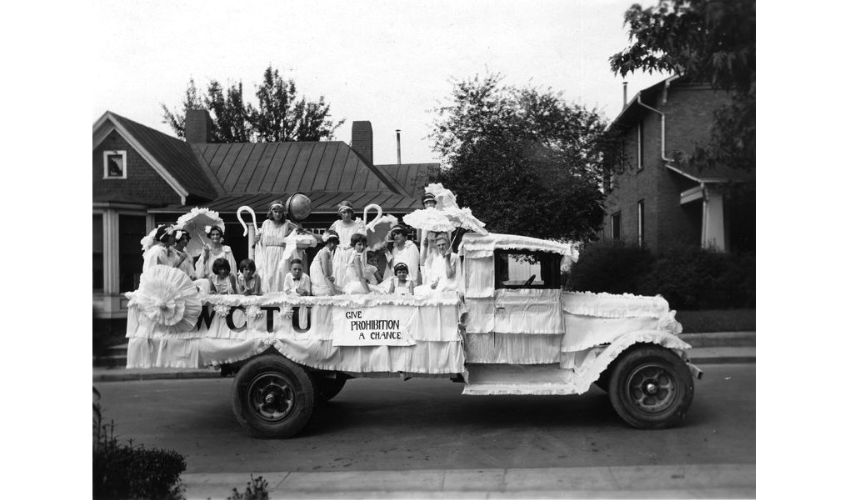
654	200
143	177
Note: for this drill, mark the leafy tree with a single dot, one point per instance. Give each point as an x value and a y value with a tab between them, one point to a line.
705	41
525	161
280	116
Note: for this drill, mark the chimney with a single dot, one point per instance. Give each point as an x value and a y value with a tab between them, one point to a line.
362	140
625	95
198	126
398	143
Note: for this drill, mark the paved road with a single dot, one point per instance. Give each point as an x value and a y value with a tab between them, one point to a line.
421	424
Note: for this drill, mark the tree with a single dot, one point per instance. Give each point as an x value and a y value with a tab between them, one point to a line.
525	161
704	41
280	116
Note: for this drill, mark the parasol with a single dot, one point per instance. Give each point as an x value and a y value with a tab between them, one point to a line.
462	217
167	297
377	230
429	219
194	223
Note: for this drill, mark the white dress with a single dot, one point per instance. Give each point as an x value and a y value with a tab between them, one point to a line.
436	271
203	267
320	285
352	284
344	250
159	255
409	256
270	255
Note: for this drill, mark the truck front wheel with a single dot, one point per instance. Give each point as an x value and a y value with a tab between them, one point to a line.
651	387
272	397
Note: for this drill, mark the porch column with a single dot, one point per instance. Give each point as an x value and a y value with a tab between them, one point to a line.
712	233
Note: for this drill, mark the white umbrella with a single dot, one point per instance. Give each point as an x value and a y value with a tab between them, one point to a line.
429	219
195	224
462	217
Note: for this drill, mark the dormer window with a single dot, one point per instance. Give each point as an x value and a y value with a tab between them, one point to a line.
114	164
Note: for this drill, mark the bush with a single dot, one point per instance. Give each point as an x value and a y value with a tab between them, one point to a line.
257	489
610	267
127	472
688	278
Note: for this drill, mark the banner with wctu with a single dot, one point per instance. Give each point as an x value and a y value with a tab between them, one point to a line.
381	325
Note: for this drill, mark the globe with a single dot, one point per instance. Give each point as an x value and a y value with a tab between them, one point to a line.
298	206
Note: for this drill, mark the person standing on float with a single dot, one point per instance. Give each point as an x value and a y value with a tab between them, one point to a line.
345	227
271	237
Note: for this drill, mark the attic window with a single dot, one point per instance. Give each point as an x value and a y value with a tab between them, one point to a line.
114	164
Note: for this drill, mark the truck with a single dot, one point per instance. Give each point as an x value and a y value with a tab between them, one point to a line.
510	329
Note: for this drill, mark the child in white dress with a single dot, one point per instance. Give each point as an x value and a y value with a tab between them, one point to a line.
399	284
321	270
249	283
355	281
222	282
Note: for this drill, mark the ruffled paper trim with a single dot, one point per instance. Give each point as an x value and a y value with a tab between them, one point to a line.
594	362
364	300
608	305
479	245
168	298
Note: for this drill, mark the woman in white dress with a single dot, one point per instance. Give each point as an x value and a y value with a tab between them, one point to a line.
355	278
321	270
403	251
160	252
214	250
345	227
271	238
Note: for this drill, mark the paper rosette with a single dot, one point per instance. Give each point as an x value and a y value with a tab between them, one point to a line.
429	219
168	297
194	223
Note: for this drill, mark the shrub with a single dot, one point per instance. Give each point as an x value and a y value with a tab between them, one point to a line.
689	278
610	267
127	472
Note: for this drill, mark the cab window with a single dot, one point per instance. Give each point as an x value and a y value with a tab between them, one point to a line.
524	269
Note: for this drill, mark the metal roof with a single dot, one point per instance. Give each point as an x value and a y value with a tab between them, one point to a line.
322	202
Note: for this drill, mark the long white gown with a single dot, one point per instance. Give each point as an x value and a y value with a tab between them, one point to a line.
352	284
270	255
320	284
344	250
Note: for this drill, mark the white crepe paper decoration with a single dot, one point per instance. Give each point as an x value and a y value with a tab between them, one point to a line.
167	297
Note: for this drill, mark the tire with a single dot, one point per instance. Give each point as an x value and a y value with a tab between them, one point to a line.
272	397
651	387
327	388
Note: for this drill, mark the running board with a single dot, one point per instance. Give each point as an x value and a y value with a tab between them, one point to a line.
502	380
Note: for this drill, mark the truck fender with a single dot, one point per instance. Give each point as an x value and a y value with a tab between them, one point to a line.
598	361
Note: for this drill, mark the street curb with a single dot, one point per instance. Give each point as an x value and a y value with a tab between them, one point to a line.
720	339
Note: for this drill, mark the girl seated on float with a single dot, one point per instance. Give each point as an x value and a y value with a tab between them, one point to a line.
321	270
400	284
249	283
222	282
355	281
159	251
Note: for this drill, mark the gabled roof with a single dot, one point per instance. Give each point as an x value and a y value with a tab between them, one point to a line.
169	156
288	167
323	202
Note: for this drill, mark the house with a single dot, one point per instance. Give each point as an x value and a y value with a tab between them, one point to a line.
143	177
653	198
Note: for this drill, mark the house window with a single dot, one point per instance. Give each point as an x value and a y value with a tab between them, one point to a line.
114	164
525	269
640	217
616	225
640	147
97	245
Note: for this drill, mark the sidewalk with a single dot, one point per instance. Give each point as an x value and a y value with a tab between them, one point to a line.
707	348
660	481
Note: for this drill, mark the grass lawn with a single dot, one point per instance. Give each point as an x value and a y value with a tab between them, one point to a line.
721	320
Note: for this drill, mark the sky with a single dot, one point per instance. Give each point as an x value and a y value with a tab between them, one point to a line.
387	62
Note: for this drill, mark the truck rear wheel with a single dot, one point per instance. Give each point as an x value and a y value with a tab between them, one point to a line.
272	397
651	387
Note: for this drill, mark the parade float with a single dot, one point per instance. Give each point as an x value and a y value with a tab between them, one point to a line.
507	329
